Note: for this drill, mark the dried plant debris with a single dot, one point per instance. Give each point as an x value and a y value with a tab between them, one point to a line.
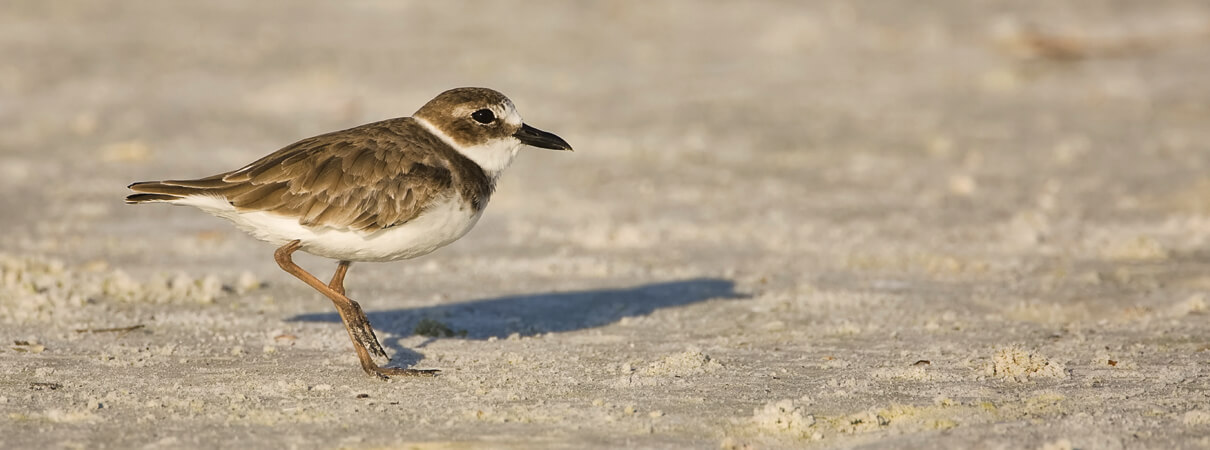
1085	41
435	329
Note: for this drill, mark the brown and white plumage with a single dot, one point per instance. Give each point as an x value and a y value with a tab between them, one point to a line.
366	178
388	190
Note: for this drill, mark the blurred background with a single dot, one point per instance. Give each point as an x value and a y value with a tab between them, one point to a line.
687	112
997	170
700	108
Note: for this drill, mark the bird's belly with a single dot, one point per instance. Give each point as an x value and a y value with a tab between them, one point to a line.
442	223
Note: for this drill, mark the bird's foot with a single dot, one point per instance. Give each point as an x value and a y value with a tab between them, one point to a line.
385	373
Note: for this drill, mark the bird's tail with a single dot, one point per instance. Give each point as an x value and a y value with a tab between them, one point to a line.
171	190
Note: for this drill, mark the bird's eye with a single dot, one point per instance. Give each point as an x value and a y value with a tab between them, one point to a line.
483	116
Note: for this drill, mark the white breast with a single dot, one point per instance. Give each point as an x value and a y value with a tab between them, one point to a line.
442	223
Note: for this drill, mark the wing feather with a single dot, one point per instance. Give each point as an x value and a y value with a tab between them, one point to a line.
366	178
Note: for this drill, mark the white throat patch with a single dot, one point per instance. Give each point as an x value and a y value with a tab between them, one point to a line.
493	157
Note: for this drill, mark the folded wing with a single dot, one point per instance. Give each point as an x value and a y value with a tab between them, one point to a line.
367	178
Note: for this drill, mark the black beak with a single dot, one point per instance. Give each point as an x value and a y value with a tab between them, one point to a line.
541	139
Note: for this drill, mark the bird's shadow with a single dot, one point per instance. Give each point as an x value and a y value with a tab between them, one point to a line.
533	314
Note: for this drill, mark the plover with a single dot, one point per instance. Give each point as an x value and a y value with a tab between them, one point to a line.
384	191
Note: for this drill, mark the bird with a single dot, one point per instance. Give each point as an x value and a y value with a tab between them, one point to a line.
384	191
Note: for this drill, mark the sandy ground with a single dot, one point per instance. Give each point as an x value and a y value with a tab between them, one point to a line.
947	223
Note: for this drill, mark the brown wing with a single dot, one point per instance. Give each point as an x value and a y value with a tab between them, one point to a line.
366	178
